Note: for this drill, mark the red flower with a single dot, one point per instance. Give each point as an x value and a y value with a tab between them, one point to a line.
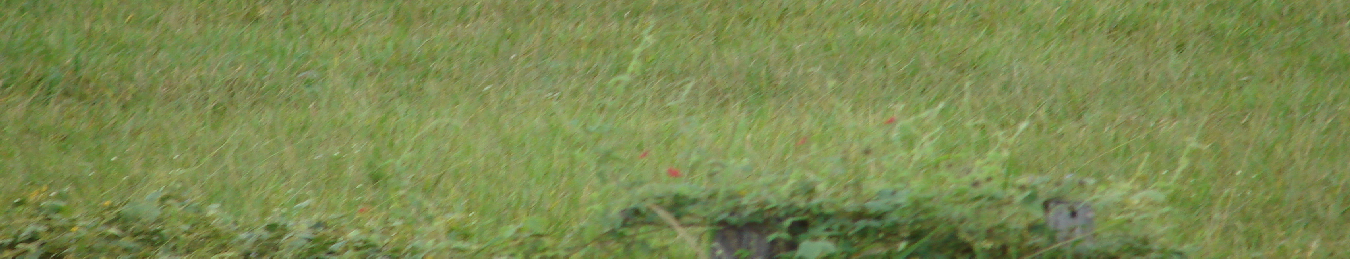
363	210
644	154
890	121
673	173
801	141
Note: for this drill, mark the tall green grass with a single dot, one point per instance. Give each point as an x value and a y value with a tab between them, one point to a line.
466	116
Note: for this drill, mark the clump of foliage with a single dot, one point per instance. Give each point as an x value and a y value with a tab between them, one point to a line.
44	225
971	216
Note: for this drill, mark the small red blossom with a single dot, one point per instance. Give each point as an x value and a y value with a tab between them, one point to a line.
890	121
644	154
801	141
672	172
363	210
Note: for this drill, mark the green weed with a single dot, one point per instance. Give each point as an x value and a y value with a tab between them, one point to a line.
434	127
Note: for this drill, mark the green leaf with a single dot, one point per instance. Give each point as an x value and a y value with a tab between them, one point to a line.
139	211
509	231
534	225
54	207
815	249
153	197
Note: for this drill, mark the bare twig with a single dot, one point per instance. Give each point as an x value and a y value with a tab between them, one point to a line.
675	224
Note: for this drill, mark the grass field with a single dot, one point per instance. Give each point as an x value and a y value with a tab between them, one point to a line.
433	117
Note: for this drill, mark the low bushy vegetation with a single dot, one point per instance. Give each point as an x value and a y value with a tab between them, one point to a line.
514	129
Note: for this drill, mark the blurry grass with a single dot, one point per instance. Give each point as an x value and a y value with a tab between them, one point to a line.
503	110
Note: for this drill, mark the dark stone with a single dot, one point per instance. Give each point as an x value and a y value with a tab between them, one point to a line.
1070	219
748	241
